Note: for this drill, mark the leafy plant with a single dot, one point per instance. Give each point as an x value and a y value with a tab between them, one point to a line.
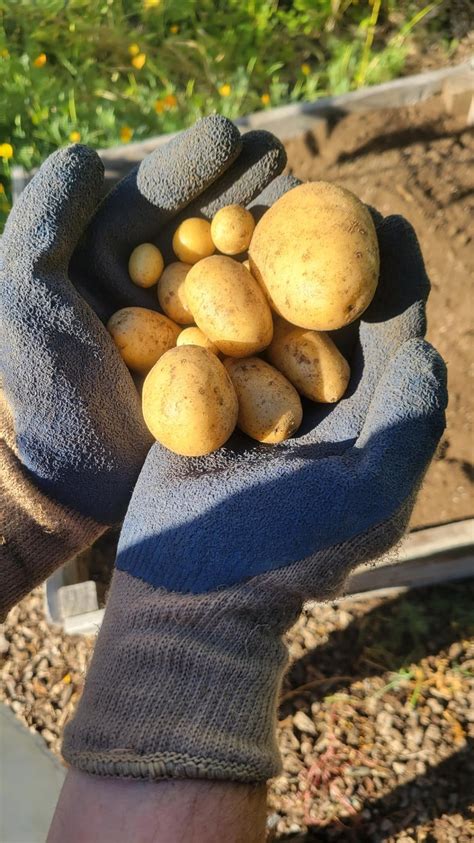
123	70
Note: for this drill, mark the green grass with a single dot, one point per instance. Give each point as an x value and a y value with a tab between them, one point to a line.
121	70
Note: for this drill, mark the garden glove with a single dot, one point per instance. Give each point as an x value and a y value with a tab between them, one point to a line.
74	439
218	554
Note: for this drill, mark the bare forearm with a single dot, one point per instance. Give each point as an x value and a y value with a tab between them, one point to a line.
117	811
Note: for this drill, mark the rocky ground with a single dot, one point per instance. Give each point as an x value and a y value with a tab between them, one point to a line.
376	722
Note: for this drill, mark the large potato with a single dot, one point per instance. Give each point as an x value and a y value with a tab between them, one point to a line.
189	403
142	336
228	306
310	360
316	255
269	406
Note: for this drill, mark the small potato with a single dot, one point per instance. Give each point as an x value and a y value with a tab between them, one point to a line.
310	360
145	265
189	403
192	240
171	293
228	306
194	336
269	406
141	336
232	229
315	253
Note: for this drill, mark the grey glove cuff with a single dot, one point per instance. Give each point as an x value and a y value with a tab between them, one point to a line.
186	686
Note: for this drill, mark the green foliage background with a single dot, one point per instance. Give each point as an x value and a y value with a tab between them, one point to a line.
233	56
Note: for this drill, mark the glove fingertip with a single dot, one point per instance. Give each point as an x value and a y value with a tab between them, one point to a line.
171	176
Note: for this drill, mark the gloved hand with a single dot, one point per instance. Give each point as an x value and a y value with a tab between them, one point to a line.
79	439
218	554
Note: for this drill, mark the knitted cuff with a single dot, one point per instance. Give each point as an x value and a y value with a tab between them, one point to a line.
180	686
37	534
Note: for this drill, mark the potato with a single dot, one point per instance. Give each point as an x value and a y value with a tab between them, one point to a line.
310	360
316	255
232	229
228	306
145	265
192	240
189	403
141	336
171	293
194	336
269	406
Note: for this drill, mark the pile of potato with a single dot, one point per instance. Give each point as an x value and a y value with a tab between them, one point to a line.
242	339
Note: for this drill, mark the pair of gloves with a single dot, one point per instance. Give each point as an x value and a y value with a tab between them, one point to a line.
217	554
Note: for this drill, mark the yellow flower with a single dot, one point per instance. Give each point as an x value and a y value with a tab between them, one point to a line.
265	98
151	4
170	101
134	49
4	54
159	106
225	90
40	60
305	69
126	134
139	61
174	29
6	150
75	137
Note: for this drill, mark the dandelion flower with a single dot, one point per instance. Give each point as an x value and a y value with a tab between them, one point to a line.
174	29
265	99
6	151
133	50
126	134
225	90
75	137
4	53
170	101
159	106
305	69
40	60
151	4
139	61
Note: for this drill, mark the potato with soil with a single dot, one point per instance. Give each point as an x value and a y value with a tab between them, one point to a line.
232	229
315	253
172	295
310	360
189	403
194	336
270	409
141	336
229	306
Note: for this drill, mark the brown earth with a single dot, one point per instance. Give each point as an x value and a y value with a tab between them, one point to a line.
418	162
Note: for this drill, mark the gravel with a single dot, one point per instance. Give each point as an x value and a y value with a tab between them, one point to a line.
376	725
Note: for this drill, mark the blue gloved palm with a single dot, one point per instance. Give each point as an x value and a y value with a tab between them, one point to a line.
199	524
